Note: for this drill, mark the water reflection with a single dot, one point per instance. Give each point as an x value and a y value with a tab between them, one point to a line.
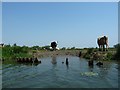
104	70
67	66
67	63
54	72
54	60
91	68
29	64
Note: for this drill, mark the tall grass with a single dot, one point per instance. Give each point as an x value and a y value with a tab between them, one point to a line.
9	52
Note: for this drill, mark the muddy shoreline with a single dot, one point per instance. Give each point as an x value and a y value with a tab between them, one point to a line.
56	53
95	55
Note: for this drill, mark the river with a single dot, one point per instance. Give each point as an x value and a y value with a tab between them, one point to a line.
53	73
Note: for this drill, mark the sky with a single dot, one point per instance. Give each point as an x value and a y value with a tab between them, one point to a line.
0	22
72	24
60	0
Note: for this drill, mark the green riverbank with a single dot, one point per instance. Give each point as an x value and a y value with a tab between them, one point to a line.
8	53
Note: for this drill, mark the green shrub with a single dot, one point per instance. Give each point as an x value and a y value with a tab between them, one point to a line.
64	48
117	55
14	51
90	50
109	56
87	56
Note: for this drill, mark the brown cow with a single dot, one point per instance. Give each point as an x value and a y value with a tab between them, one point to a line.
102	41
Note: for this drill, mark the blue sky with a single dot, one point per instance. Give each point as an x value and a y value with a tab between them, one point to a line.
71	24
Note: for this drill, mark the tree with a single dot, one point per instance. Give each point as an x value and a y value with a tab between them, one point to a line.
73	48
14	44
35	47
117	45
7	45
17	49
46	47
64	48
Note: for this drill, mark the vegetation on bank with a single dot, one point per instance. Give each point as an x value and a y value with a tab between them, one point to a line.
13	51
117	55
111	54
95	54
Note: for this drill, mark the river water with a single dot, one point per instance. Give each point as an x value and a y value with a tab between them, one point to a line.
52	73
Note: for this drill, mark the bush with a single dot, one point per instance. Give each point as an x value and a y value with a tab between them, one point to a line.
64	48
87	56
73	48
117	55
117	45
14	51
90	50
109	56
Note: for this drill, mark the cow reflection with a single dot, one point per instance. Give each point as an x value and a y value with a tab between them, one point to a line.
54	60
90	68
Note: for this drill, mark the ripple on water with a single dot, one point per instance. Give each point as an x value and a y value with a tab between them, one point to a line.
50	75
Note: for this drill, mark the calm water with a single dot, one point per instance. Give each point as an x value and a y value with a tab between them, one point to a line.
52	73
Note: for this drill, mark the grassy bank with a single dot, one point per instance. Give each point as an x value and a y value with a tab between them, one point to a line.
12	52
99	55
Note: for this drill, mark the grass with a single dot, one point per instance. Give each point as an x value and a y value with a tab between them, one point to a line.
11	52
95	54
